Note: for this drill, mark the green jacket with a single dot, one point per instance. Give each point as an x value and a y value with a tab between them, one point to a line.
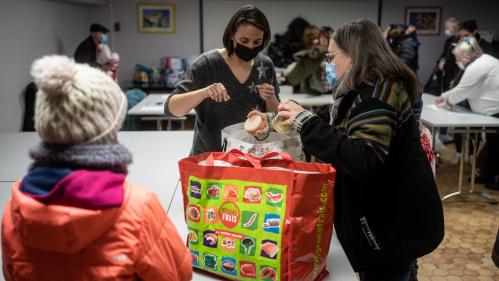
306	71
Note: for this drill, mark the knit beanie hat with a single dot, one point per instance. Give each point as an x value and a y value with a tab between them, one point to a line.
76	103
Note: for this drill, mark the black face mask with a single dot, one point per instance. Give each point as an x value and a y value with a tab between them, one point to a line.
245	53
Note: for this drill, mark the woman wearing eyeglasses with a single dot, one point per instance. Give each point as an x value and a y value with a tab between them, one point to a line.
387	209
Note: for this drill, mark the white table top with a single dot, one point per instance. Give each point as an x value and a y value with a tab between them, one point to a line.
307	100
153	104
155	167
440	117
155	155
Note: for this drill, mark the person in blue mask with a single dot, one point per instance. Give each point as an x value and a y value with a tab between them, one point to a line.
387	210
86	52
224	85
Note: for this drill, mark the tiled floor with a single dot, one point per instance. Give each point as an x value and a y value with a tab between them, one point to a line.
471	226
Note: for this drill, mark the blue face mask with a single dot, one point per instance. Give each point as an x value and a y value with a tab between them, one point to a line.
103	38
447	33
331	74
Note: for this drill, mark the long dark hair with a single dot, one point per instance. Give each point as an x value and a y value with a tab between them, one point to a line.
246	14
372	58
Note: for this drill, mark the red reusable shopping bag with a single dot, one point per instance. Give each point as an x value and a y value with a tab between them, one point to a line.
258	218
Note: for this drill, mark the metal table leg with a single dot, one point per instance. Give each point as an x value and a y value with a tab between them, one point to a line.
484	195
461	169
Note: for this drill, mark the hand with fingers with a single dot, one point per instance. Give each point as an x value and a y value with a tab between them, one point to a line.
442	103
288	111
216	92
266	91
256	123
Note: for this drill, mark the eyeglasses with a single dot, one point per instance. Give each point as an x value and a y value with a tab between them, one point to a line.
328	58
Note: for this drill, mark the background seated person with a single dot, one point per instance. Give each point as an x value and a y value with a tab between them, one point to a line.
479	85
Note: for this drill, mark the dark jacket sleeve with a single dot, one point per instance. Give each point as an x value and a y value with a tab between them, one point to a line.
85	53
353	157
407	51
361	148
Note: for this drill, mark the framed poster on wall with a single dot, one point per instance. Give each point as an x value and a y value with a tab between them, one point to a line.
427	20
155	18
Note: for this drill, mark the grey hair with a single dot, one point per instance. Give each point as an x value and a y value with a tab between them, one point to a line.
468	46
372	58
452	20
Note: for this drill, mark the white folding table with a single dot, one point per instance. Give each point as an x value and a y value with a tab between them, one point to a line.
152	108
155	167
471	124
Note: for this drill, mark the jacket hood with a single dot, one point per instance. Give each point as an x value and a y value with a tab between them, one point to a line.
62	225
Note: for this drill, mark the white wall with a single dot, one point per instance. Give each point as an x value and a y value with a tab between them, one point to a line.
486	12
279	13
32	28
28	30
147	49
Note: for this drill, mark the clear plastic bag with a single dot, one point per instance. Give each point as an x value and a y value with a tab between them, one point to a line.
235	137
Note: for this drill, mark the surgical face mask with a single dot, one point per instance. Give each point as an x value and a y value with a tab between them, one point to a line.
331	73
447	33
461	65
245	53
104	38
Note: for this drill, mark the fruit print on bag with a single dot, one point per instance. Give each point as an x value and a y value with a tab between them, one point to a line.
237	221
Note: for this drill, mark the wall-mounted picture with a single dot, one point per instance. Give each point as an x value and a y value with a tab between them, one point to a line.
155	18
426	19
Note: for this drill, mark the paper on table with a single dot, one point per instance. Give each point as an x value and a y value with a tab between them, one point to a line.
433	106
153	108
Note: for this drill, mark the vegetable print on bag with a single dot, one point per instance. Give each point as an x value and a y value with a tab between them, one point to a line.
265	219
236	225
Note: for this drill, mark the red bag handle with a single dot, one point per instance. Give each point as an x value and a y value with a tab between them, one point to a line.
233	156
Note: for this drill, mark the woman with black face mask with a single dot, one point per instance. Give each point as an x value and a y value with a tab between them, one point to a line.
224	85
